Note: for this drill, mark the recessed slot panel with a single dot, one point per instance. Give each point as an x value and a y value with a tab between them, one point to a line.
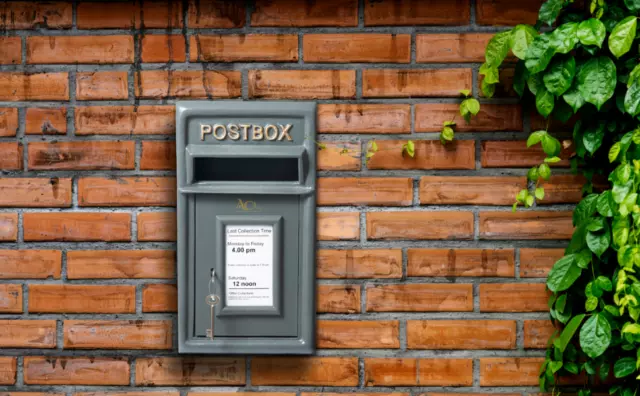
245	169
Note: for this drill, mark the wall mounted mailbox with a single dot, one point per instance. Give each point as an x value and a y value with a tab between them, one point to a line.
246	227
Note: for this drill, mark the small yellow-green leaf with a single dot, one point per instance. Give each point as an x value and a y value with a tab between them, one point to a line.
539	193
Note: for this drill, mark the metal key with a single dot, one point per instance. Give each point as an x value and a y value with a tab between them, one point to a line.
212	300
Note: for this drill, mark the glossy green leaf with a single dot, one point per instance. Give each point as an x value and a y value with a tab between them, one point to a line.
605	204
591	32
565	38
497	48
520	77
624	367
559	75
591	304
622	36
614	151
544	171
604	283
597	80
563	274
592	138
632	99
539	54
539	193
549	11
521	38
632	5
574	98
550	145
598	242
595	336
491	73
544	102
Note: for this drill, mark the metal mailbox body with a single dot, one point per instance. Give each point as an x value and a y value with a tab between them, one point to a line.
246	175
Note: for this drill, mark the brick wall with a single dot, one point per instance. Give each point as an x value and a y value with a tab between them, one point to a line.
427	281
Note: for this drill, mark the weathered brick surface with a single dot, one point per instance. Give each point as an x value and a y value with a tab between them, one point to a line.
64	226
121	264
8	370
10	50
35	192
302	84
461	190
419	225
491	118
36	14
117	334
81	155
305	371
46	121
190	371
417	372
461	334
16	86
338	298
10	298
208	84
365	191
461	262
513	297
341	48
157	226
394	83
365	118
127	191
536	263
416	12
40	370
8	121
82	299
80	49
8	227
525	225
359	263
159	298
102	85
287	13
451	47
244	48
348	334
27	333
509	371
125	120
419	298
429	154
30	264
153	14
156	48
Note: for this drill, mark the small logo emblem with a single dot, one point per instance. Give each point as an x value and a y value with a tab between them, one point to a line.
247	206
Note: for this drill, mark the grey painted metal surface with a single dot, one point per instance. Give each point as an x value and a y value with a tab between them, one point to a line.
246	164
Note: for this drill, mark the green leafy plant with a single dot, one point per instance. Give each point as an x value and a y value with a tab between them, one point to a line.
469	107
585	64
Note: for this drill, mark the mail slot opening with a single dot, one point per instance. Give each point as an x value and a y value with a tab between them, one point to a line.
245	169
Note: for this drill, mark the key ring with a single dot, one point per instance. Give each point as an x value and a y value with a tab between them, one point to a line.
212	299
212	288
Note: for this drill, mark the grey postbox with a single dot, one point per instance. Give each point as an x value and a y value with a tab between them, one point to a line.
246	227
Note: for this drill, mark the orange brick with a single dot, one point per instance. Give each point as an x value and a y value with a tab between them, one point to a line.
117	334
158	155
244	48
46	121
359	263
445	372
17	86
461	262
159	298
356	47
30	264
153	14
36	14
304	371
463	190
525	225
364	118
338	298
491	118
562	189
8	370
134	393
516	154
80	49
102	85
419	298
16	333
8	119
160	48
371	191
8	227
82	298
451	47
513	297
336	226
157	226
181	371
40	370
349	334
536	263
537	333
10	298
338	156
10	156
81	155
390	372
420	225
506	12
422	372
302	84
157	84
121	264
461	334
416	12
509	371
35	192
127	191
429	154
290	13
65	226
406	83
125	120
10	50
216	14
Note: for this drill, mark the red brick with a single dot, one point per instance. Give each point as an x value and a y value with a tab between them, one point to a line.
81	155
8	227
451	47
10	50
125	120
339	156
420	225
304	371
158	155
15	333
353	191
216	14
244	48
537	333
429	154
46	121
416	12
30	264
102	85
127	191
491	118
82	298
461	334
502	89
336	226
506	12
35	192
364	118
516	154
356	47
160	48
159	298
157	226
8	370
40	370
418	372
406	83
536	263
338	298
359	263
10	156
8	119
513	297
117	334
10	298
349	334
36	14
76	227
121	264
80	49
462	190
302	84
562	189
419	298
314	13
181	371
525	225
152	14
157	84
509	371
17	86
461	262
